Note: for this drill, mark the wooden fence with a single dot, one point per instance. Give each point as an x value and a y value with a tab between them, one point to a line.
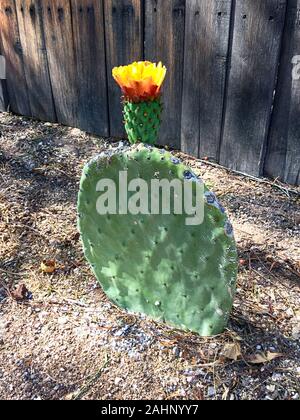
229	94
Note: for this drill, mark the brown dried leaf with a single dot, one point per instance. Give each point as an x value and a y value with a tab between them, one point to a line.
167	343
20	293
261	358
232	351
48	266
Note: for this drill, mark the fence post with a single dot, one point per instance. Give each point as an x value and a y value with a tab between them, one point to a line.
124	44
257	35
205	64
283	153
13	53
164	41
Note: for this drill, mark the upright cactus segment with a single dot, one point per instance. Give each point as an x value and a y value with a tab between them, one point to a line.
156	264
142	121
141	86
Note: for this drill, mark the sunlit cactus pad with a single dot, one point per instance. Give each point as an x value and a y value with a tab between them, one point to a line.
155	264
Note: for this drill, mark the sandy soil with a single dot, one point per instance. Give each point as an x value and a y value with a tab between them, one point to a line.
69	342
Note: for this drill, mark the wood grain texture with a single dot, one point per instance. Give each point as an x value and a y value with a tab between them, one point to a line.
13	53
61	58
35	59
257	34
89	44
124	44
205	63
164	41
229	93
283	154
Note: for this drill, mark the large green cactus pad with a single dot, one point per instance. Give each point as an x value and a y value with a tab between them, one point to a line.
156	264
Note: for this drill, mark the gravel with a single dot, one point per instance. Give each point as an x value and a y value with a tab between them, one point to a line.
70	341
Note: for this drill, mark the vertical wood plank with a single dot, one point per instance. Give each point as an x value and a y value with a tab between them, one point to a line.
35	59
164	41
257	34
89	46
12	51
205	61
283	154
124	44
190	118
62	66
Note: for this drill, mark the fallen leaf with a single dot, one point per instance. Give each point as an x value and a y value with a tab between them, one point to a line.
198	394
262	358
21	293
28	363
48	266
167	343
232	351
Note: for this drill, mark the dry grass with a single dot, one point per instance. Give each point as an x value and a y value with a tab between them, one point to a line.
69	341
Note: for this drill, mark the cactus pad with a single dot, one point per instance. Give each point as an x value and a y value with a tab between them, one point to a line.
156	264
142	121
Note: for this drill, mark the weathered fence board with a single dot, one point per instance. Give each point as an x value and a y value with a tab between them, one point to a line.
89	45
16	80
124	44
257	33
61	58
283	154
164	41
35	59
206	55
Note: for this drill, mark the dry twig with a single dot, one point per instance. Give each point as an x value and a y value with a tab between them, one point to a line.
86	388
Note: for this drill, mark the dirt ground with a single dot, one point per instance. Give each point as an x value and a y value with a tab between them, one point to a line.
67	341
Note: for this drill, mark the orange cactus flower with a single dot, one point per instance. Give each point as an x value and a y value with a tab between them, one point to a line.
140	81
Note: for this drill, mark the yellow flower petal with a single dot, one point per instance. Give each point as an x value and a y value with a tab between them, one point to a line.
141	80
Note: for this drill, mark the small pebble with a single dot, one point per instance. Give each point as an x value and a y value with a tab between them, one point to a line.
211	392
118	380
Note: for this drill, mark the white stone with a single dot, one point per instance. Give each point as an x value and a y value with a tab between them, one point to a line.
211	391
118	380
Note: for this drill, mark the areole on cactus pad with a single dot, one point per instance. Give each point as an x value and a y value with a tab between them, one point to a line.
156	264
141	83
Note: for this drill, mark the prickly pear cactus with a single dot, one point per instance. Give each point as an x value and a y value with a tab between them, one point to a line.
155	264
142	121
